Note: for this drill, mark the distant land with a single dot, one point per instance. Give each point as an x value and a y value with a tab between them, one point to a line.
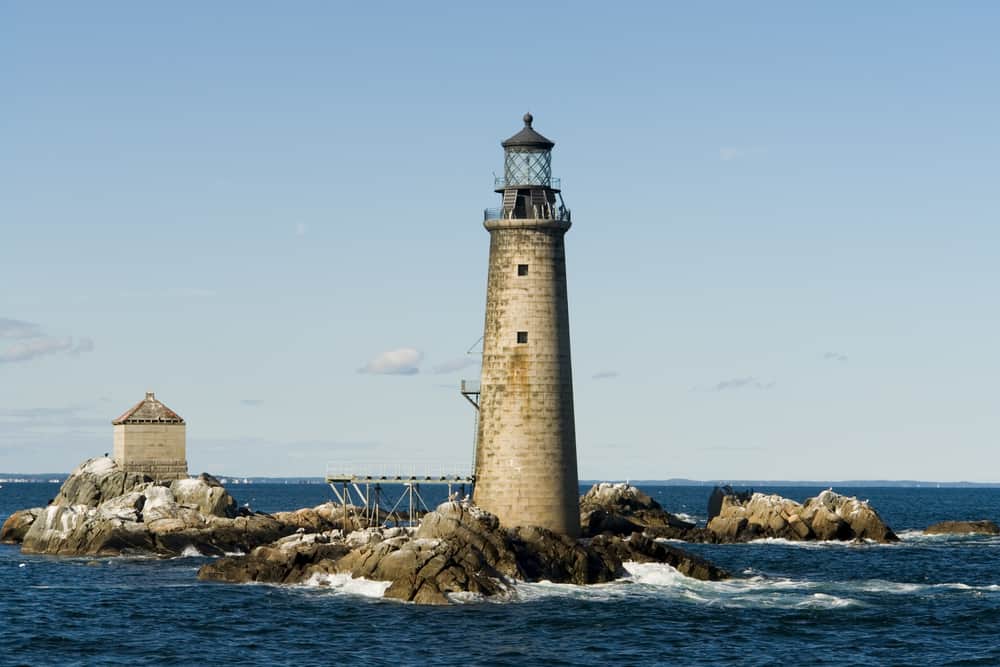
58	477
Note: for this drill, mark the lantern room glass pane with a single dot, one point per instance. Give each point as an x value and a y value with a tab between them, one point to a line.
527	168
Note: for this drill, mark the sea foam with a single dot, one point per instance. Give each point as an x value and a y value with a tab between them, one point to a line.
345	583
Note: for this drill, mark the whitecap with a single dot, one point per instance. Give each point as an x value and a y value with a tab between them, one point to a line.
825	601
892	587
190	551
465	597
813	544
915	535
345	583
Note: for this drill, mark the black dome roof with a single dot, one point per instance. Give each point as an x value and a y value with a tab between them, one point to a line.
528	138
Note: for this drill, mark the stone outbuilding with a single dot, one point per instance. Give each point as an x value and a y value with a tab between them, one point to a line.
151	438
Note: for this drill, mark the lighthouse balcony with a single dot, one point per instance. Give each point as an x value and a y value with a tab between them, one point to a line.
501	183
546	213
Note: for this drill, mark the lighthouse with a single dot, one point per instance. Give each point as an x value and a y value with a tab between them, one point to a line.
525	468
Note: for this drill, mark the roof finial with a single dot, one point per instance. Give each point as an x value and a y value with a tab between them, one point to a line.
527	119
149	395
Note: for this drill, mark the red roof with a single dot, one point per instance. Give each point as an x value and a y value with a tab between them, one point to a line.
149	410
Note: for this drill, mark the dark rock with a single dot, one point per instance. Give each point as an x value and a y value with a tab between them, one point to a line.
621	509
984	527
17	524
641	549
457	548
282	562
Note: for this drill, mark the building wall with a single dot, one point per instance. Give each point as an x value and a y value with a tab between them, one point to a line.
526	470
156	449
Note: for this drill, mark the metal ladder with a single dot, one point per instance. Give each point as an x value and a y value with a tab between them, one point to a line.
509	200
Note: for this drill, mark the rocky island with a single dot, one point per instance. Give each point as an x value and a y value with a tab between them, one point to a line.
104	510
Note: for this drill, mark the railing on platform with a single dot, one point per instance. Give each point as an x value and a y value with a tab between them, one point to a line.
359	490
398	473
561	213
500	183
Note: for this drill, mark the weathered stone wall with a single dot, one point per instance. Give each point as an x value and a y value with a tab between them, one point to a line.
155	449
526	470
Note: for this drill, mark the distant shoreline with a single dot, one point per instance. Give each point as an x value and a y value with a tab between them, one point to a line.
58	478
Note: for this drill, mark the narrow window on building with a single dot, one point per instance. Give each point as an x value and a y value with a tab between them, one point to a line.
522	269
522	336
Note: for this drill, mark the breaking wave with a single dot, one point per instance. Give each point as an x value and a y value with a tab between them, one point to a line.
344	583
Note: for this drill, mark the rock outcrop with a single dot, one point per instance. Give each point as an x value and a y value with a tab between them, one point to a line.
17	524
828	516
103	510
983	527
322	518
622	509
457	548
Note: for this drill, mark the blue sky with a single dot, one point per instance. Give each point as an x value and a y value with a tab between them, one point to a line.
783	262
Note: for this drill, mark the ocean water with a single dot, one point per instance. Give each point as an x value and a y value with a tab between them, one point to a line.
927	600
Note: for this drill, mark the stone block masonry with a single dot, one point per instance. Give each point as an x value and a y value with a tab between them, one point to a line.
526	469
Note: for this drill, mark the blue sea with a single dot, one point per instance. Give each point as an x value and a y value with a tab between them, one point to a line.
927	600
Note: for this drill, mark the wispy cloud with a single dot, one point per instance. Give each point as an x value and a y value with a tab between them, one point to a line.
33	425
748	382
604	375
40	347
10	328
33	343
300	229
730	153
454	365
251	402
835	356
404	361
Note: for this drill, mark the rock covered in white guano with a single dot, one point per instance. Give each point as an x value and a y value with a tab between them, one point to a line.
96	480
103	510
835	517
622	509
204	494
828	516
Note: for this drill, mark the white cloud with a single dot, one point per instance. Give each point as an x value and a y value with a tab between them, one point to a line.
44	346
454	365
37	347
749	382
10	328
835	356
404	361
604	375
300	229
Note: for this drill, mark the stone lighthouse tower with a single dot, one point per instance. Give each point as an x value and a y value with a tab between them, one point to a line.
526	441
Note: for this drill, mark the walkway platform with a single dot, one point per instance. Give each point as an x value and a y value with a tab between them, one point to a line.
358	487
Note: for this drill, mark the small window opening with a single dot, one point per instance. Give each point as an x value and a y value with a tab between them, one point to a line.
522	337
522	269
